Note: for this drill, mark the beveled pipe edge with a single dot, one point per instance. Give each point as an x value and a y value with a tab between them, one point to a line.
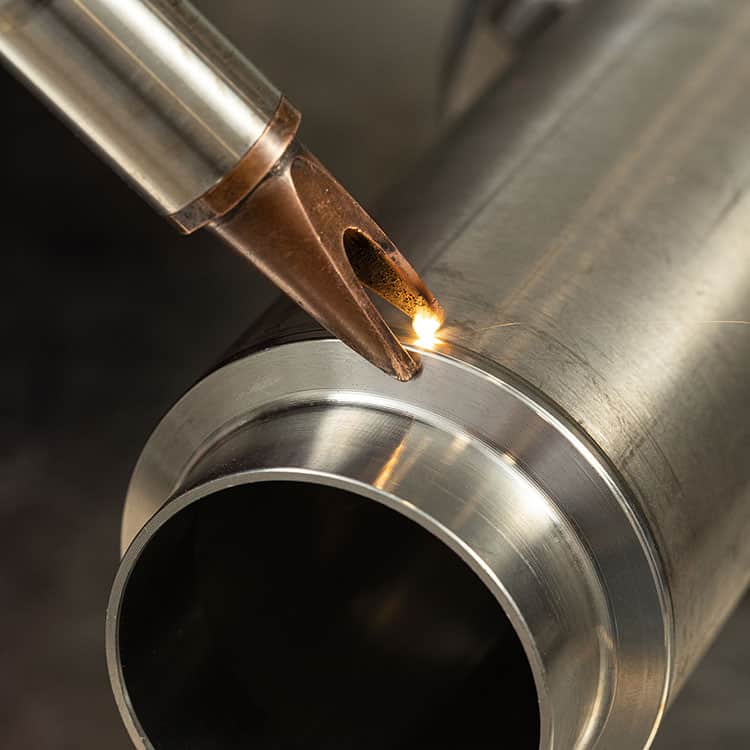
589	497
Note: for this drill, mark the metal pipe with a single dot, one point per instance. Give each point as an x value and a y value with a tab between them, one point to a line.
598	249
577	437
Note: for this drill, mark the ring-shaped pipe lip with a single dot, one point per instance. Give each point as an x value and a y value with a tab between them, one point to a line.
329	366
401	506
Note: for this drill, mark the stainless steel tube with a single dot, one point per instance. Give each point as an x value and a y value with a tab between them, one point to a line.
598	248
576	443
149	83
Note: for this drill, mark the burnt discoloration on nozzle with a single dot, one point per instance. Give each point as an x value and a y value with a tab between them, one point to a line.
302	230
382	268
284	211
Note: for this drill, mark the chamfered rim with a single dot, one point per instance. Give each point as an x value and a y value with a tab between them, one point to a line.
638	602
412	513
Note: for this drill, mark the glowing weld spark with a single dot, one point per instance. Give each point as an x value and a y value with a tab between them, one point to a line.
426	325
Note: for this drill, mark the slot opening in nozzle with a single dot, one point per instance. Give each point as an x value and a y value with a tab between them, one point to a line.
380	272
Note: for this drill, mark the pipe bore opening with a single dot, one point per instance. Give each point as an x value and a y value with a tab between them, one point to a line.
293	615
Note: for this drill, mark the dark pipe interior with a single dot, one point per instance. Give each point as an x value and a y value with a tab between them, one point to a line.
291	615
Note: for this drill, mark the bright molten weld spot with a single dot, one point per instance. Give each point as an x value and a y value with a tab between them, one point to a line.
426	324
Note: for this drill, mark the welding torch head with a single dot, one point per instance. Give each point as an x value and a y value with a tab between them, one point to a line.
209	141
282	210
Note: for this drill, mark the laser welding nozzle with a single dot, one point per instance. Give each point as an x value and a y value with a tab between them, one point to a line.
210	142
304	231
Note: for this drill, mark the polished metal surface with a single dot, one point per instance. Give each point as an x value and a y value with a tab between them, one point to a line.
597	246
316	413
579	434
149	83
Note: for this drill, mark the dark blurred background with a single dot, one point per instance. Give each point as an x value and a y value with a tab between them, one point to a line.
107	316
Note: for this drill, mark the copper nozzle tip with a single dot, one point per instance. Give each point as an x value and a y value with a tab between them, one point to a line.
315	242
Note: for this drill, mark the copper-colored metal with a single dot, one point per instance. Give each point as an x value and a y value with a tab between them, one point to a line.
283	210
382	268
246	175
315	242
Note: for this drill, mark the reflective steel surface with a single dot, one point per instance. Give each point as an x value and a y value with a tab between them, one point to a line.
331	644
509	487
579	435
589	231
149	83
